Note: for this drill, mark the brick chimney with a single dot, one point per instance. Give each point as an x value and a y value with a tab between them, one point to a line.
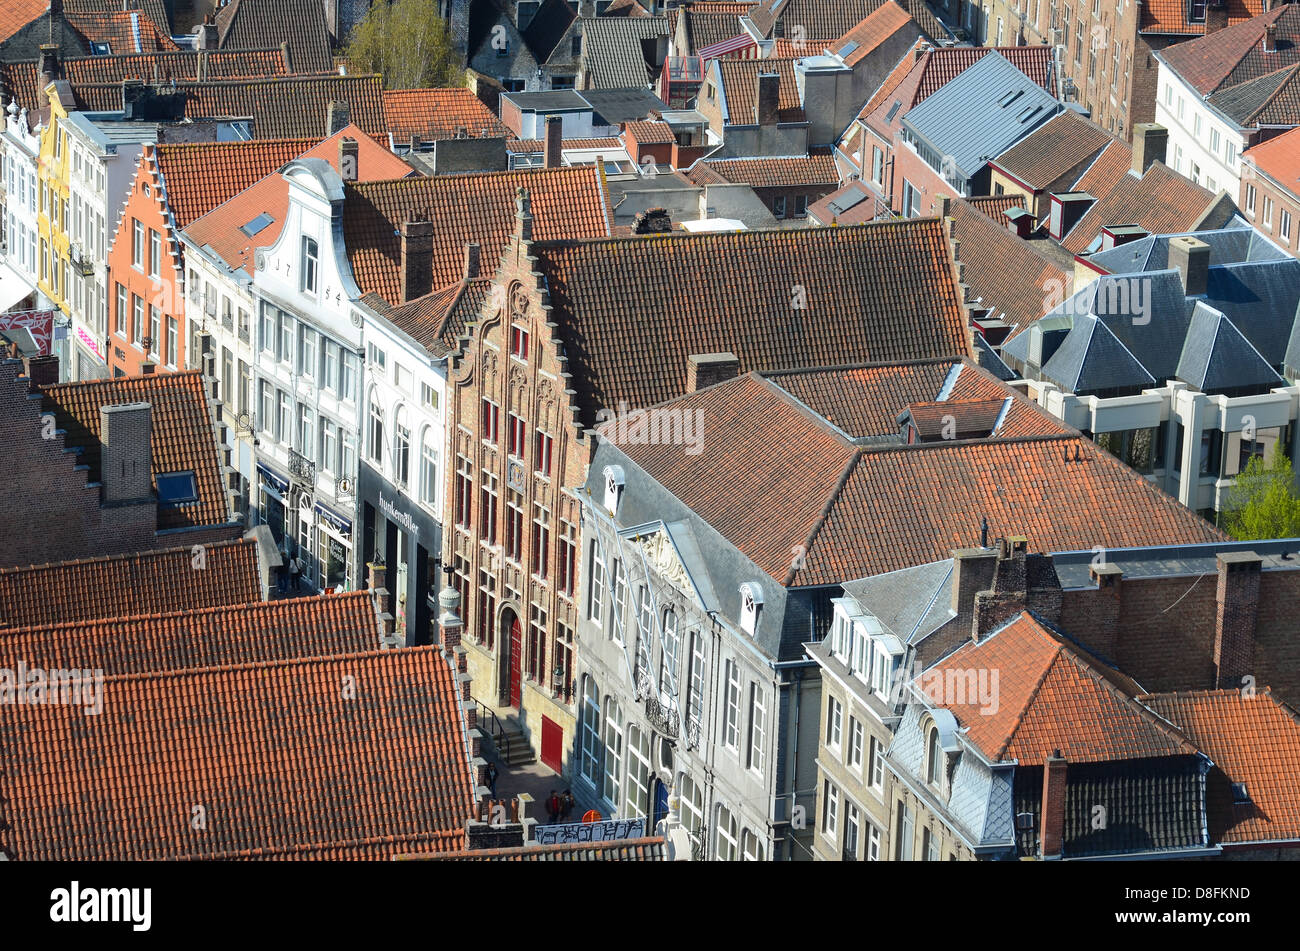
1216	16
417	259
1236	611
1270	38
41	371
706	369
473	253
1105	609
337	117
767	105
1191	258
1150	144
554	141
1009	593
349	151
523	215
973	570
1051	835
50	68
125	455
205	35
377	583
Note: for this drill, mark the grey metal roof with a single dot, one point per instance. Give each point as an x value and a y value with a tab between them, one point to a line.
982	113
1166	561
1217	357
553	100
1231	245
623	105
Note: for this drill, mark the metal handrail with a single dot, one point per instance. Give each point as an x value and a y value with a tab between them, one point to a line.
499	736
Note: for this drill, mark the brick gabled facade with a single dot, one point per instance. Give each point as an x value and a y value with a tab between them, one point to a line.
512	538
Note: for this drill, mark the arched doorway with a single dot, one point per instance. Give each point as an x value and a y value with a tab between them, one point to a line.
512	640
660	810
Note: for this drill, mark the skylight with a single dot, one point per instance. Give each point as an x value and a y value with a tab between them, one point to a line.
1029	113
257	224
893	110
848	48
1010	97
176	488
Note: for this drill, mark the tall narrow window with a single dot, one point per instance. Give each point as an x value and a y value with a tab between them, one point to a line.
428	471
568	557
491	418
376	432
155	253
668	661
488	508
401	451
590	730
731	726
757	757
514	526
542	453
464	491
541	540
137	243
309	265
613	787
596	607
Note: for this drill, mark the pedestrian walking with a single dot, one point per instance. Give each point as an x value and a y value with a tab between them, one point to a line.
295	573
492	778
567	804
553	808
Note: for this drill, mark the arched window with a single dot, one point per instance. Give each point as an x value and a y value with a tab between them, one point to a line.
725	840
752	848
692	804
668	668
933	757
613	787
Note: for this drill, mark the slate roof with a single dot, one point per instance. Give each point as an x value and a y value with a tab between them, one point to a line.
203	637
258	24
200	176
646	849
548	27
279	107
1216	358
1005	273
1161	201
989	107
279	756
138	583
631	311
184	438
1051	696
776	476
23	79
1279	159
817	168
1092	359
739	81
1055	149
705	28
1271	99
1251	739
221	229
430	114
911	602
566	202
612	56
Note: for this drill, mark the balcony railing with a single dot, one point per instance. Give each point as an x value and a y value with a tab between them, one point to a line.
301	469
662	717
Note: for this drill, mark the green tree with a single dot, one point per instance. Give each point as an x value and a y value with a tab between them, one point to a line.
407	43
1263	503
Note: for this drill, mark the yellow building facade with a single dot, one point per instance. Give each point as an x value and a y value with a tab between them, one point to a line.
55	264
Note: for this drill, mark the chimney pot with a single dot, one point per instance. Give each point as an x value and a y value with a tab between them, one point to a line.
1191	258
706	369
1052	830
554	143
1270	38
1150	145
768	105
417	259
336	117
126	457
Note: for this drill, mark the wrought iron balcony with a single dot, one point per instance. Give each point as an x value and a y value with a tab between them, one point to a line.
693	731
662	717
301	469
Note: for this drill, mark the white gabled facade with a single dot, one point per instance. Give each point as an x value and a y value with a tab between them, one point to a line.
1204	144
21	147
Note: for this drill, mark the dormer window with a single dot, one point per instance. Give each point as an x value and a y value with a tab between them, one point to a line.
933	758
310	259
614	485
751	603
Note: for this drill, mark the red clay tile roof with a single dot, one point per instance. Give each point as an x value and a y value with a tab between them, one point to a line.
257	24
16	14
430	114
1050	696
23	80
646	849
769	484
566	203
872	32
739	78
155	10
221	228
1161	201
1251	739
1209	62
815	169
1106	171
517	146
119	585
1172	16
1059	147
705	28
631	311
129	32
650	132
957	419
323	755
279	107
895	79
438	320
1005	273
824	20
865	401
992	206
202	637
1279	159
184	437
200	176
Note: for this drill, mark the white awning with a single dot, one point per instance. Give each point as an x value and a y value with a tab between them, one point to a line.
13	286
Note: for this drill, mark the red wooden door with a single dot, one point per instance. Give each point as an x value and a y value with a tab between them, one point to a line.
516	665
552	744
